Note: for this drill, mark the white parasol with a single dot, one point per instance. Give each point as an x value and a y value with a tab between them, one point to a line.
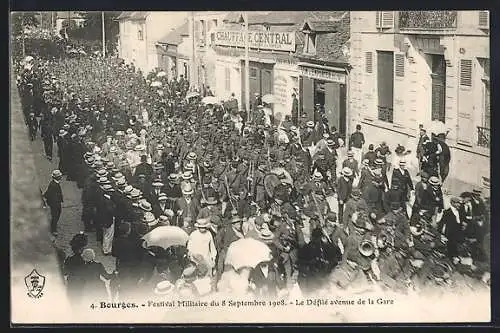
156	84
192	94
210	100
166	236
269	99
247	252
161	74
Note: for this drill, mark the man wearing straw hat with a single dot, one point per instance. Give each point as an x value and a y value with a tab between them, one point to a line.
202	243
54	198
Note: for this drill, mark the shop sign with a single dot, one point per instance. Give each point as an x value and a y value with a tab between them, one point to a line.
322	74
280	90
266	40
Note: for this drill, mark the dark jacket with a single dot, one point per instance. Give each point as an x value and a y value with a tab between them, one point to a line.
344	189
53	194
449	227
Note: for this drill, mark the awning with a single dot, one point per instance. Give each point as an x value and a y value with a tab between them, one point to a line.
261	60
326	68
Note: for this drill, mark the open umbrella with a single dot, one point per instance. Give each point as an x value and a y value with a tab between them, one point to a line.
156	84
436	127
210	100
192	94
166	236
161	74
269	99
247	252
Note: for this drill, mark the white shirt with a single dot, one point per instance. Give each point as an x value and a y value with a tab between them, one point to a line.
202	244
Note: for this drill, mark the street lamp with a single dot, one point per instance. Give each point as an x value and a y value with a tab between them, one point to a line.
244	21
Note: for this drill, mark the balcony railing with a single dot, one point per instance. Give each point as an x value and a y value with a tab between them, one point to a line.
385	114
483	137
431	20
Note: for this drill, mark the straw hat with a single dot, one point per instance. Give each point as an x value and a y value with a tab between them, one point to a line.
434	181
317	176
202	223
347	172
164	288
146	206
149	219
56	174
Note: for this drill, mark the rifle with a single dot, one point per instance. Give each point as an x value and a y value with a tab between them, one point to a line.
229	192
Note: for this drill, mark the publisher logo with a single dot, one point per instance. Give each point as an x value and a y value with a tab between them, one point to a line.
35	283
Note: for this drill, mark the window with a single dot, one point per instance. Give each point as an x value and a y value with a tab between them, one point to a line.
369	62
310	43
466	72
384	20
400	65
484	19
385	85
228	78
215	23
186	71
438	78
485	64
253	72
140	34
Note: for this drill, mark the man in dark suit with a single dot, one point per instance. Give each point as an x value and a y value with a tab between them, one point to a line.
54	197
450	226
266	279
295	110
144	168
402	177
47	135
344	188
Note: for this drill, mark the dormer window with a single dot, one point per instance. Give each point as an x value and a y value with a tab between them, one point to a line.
310	44
309	39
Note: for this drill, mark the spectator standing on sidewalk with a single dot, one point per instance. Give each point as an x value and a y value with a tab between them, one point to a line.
356	143
54	197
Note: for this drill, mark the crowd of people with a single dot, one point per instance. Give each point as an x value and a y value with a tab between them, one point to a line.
193	197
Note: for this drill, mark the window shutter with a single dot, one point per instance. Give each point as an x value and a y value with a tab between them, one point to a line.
369	62
387	19
400	65
484	19
466	72
377	19
228	78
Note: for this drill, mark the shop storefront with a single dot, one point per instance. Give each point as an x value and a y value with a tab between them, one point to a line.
272	68
326	86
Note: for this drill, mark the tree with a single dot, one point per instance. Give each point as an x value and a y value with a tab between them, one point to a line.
23	20
92	28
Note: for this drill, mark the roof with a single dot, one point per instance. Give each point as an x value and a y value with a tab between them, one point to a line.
132	16
321	26
65	15
174	37
331	46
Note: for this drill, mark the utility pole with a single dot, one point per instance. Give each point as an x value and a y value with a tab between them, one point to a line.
247	67
103	36
22	36
193	64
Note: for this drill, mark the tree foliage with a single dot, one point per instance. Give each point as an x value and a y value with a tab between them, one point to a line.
23	20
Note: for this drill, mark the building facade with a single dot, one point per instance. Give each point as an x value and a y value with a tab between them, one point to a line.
201	26
278	62
139	34
412	67
174	52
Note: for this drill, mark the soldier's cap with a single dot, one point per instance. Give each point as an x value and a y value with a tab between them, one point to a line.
356	193
332	216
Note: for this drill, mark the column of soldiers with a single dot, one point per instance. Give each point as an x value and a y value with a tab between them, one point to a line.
190	166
